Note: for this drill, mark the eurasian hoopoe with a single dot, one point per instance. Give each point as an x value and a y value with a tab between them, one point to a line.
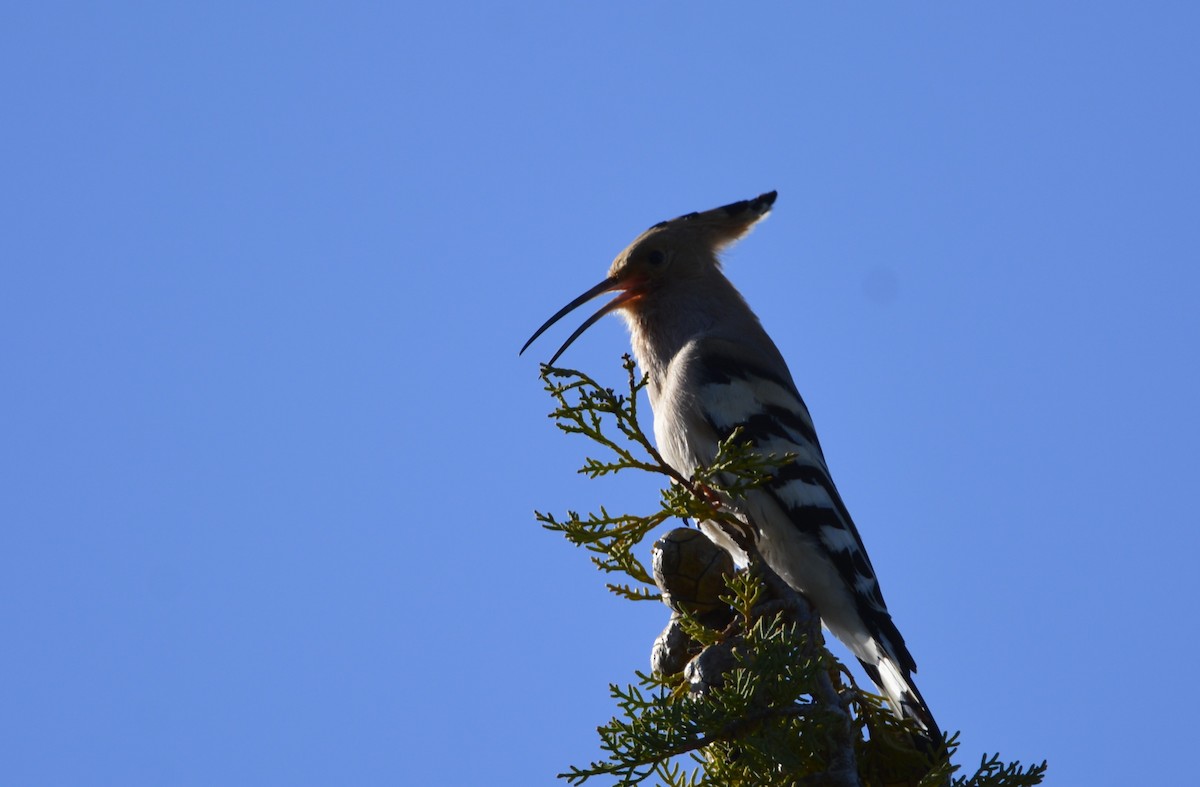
713	368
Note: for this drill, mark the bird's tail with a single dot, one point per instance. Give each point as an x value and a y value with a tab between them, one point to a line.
902	693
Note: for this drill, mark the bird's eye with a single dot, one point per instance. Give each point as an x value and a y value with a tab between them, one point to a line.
656	257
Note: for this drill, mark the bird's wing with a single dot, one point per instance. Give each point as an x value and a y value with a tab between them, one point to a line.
807	534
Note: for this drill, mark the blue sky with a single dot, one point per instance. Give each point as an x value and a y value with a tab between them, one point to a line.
270	459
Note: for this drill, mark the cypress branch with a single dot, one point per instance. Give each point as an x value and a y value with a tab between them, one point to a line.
744	691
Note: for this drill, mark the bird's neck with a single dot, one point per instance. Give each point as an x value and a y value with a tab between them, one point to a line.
664	321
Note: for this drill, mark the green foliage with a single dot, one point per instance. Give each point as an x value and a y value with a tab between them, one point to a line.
781	711
585	407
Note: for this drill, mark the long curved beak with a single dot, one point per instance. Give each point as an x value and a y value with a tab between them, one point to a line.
608	285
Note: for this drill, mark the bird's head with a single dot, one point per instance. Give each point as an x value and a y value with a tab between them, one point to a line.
670	251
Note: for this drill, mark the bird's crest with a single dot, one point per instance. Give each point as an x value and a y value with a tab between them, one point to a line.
716	228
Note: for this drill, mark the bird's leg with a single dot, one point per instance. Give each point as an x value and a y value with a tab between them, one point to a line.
707	494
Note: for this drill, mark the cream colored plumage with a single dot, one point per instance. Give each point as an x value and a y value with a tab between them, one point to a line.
712	368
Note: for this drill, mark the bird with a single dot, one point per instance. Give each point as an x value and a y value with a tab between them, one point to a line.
712	368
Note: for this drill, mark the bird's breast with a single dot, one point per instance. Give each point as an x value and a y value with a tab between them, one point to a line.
681	431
